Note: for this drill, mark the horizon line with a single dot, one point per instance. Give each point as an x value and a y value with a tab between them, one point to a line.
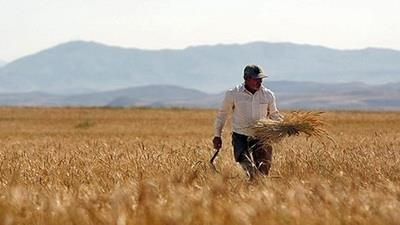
197	46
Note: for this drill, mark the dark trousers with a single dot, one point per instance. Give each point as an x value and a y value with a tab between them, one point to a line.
251	154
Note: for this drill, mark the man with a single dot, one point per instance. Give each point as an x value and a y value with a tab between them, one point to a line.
248	103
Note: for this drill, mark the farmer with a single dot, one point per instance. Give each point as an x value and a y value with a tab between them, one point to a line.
248	102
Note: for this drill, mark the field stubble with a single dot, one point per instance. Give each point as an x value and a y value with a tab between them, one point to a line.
149	166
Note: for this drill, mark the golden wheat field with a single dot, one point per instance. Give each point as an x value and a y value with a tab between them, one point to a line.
150	166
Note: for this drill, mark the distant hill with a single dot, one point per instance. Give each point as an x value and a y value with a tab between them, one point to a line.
289	94
2	63
138	96
86	67
337	96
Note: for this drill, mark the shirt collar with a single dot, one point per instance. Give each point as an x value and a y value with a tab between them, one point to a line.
243	89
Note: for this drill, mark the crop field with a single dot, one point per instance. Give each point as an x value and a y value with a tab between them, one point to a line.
150	166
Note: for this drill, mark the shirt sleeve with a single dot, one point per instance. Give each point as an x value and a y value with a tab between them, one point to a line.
223	112
273	112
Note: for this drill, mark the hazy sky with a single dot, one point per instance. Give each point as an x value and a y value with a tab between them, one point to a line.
27	26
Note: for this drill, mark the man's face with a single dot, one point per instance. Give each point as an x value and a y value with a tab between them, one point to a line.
253	83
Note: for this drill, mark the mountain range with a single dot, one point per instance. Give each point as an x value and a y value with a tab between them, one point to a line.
85	67
289	94
83	73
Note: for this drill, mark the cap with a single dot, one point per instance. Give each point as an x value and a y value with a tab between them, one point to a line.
253	71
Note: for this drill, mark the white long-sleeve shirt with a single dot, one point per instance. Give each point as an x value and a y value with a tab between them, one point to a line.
246	108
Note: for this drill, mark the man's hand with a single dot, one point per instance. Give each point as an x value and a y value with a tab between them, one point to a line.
217	141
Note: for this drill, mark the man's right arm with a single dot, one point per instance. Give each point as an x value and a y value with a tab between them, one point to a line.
222	115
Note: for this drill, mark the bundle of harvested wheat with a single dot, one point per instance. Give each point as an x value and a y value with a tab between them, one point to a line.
270	131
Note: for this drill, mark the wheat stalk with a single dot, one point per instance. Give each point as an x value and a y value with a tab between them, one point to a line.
270	131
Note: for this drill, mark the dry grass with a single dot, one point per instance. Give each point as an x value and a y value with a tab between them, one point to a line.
294	123
147	166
